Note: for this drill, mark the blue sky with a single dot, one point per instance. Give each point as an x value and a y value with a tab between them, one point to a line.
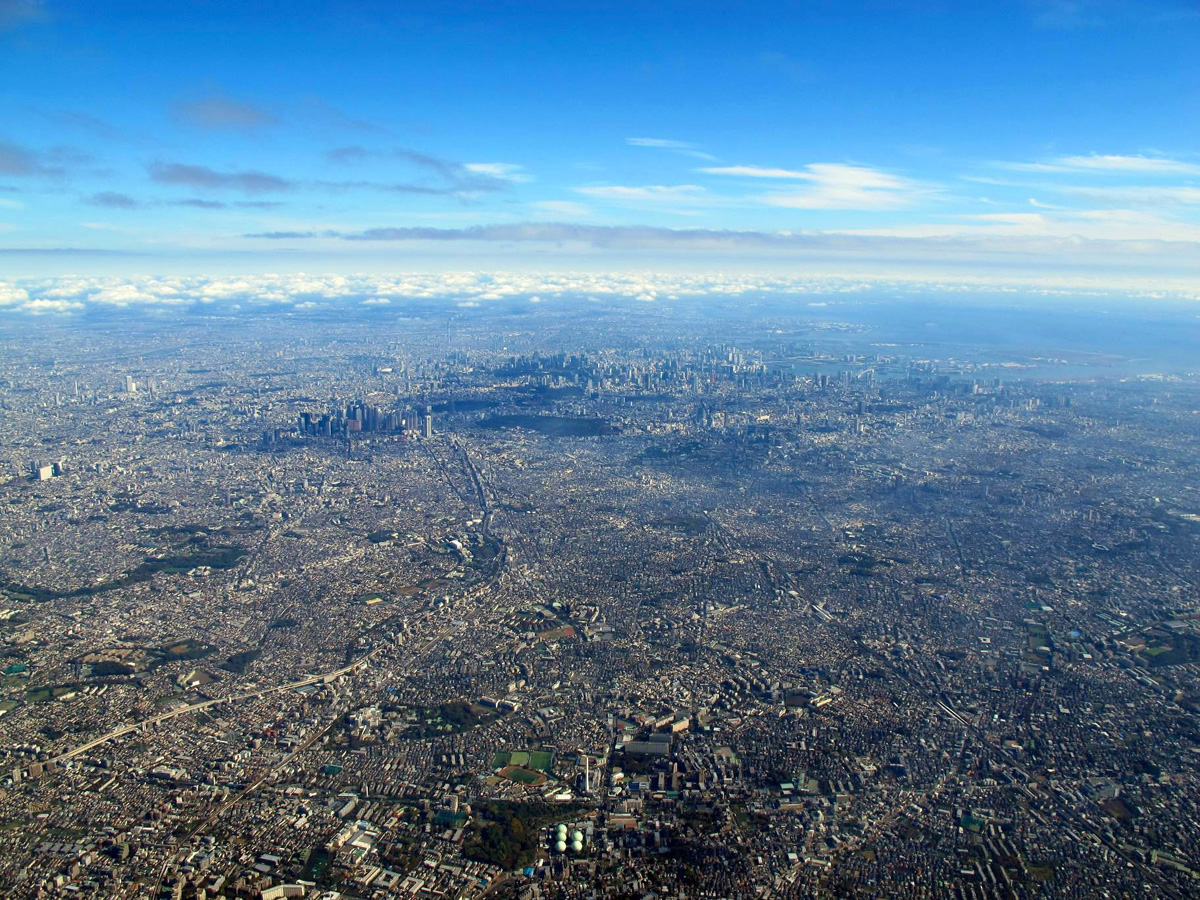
979	139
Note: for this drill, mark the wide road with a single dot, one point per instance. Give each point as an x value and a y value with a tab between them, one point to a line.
204	704
316	735
319	733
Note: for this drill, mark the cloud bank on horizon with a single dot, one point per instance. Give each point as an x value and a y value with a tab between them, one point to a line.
1022	141
300	292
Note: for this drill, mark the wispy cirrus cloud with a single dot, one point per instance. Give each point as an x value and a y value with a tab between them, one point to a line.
200	203
1109	163
452	177
550	232
503	171
113	200
833	186
1096	245
355	153
1129	229
1139	195
285	235
462	183
118	200
195	176
754	172
1152	193
20	161
1124	230
387	187
684	148
674	193
1150	164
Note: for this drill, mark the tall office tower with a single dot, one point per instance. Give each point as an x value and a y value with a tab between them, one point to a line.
428	429
130	385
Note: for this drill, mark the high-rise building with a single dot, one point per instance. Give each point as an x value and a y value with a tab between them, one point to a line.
130	385
427	430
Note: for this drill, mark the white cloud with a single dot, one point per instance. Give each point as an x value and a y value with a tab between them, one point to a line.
685	148
469	290
1153	164
655	192
224	290
503	171
38	307
122	295
1053	224
842	186
1130	225
755	172
1143	165
1098	249
10	294
1142	195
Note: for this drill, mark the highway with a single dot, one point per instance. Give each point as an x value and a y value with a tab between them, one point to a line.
316	735
204	704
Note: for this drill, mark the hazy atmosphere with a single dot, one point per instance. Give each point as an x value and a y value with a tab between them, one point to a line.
600	450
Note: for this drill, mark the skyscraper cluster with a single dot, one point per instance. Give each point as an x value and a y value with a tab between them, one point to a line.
360	417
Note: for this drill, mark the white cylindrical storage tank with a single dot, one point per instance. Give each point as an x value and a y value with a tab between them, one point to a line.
561	846
577	847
